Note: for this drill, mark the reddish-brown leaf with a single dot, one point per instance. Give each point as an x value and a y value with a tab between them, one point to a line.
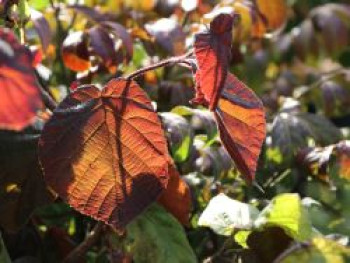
19	97
75	52
241	120
105	153
177	196
212	50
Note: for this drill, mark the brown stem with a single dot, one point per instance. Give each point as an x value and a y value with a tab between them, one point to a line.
167	62
79	252
46	95
48	100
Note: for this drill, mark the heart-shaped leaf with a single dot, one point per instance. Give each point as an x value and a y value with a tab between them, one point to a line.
241	120
104	152
19	98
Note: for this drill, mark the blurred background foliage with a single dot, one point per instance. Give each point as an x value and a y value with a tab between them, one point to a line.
298	64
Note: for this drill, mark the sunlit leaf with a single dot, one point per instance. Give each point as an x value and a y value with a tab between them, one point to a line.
343	156
104	152
274	12
212	50
241	120
287	212
20	98
223	215
75	53
156	236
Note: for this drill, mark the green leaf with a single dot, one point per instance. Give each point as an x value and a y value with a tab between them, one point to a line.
286	211
4	257
39	5
156	236
319	250
241	237
224	214
180	135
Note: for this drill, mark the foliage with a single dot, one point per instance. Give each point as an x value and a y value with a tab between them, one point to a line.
174	131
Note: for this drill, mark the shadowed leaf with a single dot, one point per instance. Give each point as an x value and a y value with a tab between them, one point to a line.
155	236
241	120
19	98
292	131
120	31
42	27
103	46
169	34
105	153
176	198
22	184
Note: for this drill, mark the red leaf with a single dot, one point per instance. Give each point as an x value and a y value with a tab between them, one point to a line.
75	52
19	98
104	152
177	196
212	50
241	120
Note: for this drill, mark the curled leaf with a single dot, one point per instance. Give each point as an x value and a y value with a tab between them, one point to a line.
104	152
212	50
75	52
42	27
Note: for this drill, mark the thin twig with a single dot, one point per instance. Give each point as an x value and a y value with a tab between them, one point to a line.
79	252
167	62
325	77
46	95
290	250
48	101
